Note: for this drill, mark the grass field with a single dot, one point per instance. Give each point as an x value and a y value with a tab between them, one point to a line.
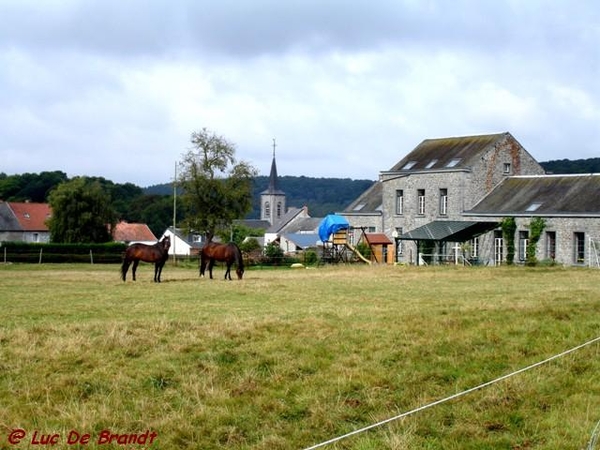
287	359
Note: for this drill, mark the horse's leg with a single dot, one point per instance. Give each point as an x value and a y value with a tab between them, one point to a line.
125	268
211	264
228	271
156	273
134	267
160	268
202	266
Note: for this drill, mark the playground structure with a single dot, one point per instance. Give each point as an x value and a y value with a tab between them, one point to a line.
333	232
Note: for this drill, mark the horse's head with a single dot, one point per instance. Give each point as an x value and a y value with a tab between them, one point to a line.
166	243
240	272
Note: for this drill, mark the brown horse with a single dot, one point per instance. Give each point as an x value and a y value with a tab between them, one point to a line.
157	253
229	253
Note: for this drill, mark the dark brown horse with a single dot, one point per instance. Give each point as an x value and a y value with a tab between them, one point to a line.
229	253
157	253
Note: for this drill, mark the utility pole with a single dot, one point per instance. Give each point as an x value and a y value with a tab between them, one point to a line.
175	213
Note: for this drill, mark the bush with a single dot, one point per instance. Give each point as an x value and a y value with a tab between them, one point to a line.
25	252
310	257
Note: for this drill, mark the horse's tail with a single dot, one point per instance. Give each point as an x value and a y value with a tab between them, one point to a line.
239	259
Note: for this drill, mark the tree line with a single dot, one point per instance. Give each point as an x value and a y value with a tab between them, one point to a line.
213	190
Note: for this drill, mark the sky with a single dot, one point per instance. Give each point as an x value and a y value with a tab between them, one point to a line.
115	89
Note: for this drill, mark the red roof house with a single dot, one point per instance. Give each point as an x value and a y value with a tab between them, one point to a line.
24	221
131	233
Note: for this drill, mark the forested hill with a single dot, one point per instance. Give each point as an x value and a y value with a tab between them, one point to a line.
321	195
326	195
590	165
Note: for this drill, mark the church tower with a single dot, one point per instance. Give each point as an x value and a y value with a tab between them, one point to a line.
272	200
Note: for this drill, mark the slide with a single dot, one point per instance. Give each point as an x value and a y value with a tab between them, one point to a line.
357	253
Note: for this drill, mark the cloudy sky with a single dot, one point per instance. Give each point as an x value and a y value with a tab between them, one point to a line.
115	88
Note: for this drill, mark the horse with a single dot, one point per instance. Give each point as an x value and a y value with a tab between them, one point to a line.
157	253
229	253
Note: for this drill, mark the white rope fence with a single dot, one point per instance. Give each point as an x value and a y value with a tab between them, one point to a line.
452	397
594	438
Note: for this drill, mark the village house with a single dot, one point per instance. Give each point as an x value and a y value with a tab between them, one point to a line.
24	222
449	195
133	233
182	243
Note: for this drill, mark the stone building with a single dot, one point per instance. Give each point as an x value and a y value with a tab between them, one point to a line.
453	192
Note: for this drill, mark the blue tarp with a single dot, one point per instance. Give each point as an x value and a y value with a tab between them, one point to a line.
331	224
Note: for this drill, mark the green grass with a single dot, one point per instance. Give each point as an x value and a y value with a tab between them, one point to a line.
290	358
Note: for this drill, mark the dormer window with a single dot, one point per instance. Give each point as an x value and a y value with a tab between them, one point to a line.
409	165
453	162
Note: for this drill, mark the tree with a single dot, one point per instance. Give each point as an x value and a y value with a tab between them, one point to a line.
30	186
216	188
81	212
509	227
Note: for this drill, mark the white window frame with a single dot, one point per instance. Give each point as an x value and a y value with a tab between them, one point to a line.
399	202
443	202
421	202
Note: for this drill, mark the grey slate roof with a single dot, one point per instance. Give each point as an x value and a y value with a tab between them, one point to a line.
543	195
303	240
438	154
369	201
448	230
304	225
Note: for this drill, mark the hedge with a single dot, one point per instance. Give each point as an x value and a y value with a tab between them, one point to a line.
24	252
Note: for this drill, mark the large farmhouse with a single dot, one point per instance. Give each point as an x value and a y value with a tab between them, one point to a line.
448	196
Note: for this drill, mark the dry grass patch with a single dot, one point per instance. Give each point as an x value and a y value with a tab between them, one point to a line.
287	359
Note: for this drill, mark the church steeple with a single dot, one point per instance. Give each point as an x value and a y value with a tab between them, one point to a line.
272	200
273	184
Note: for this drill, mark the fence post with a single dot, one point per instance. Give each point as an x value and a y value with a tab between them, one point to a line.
91	257
41	251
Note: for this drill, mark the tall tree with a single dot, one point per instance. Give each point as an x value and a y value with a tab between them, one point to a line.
81	212
216	187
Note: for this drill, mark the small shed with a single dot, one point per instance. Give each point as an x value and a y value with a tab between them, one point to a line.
382	248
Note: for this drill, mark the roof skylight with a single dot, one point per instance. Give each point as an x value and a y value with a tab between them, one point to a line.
431	163
534	206
453	162
409	165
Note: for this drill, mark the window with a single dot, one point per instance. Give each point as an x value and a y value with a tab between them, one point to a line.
399	249
453	162
431	163
409	165
498	248
399	202
267	209
551	245
443	202
279	209
534	206
421	201
475	247
506	167
523	241
579	248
